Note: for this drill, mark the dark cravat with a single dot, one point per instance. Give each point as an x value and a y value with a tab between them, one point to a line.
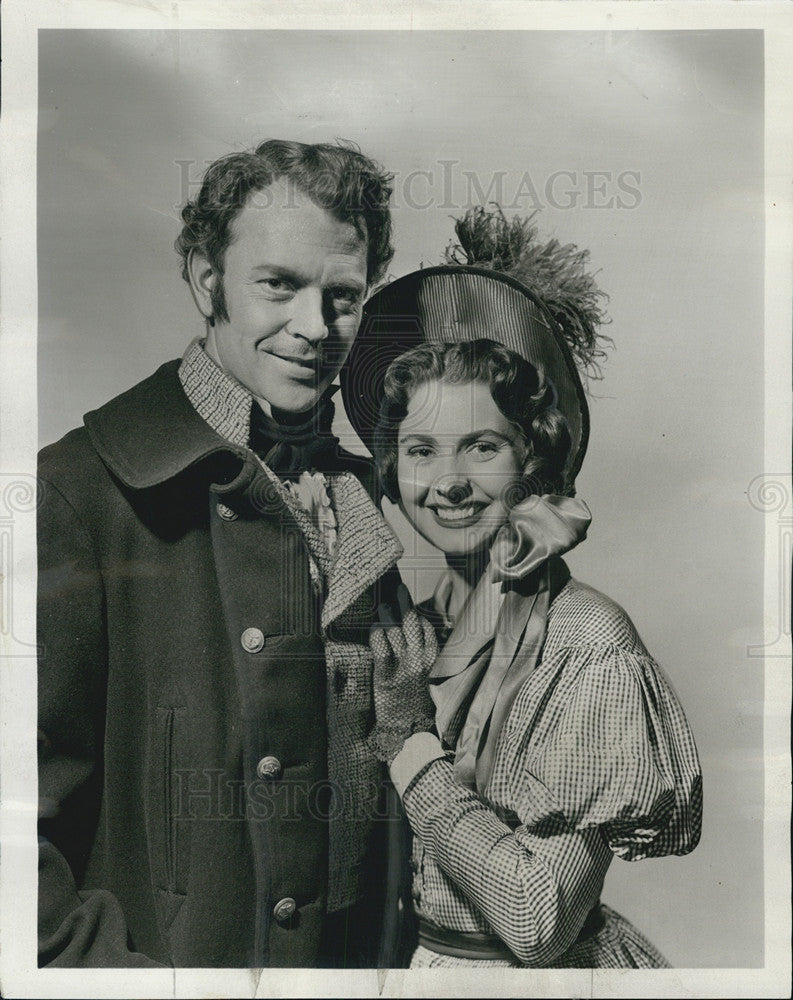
299	445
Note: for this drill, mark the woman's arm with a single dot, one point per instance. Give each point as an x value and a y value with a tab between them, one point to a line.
535	889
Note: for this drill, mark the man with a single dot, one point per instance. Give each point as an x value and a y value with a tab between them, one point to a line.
209	568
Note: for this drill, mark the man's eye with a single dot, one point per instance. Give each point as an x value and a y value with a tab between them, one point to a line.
276	284
347	296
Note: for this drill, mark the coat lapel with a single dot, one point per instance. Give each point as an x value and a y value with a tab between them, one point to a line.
366	547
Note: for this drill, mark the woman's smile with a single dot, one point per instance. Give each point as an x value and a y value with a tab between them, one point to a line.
458	517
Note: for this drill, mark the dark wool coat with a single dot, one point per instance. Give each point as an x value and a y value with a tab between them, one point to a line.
202	717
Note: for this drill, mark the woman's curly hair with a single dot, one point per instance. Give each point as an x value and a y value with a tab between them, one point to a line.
336	176
519	390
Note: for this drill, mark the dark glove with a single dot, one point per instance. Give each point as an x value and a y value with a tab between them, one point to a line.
404	648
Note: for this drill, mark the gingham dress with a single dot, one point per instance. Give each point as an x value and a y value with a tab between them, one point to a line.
596	759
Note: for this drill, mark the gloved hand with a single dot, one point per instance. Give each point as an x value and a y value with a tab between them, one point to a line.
404	648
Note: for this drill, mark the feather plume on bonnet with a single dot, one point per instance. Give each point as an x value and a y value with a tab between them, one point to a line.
555	273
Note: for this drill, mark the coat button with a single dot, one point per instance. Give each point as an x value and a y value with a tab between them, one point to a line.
252	640
227	513
284	909
269	767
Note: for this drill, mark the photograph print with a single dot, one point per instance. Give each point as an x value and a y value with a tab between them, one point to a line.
401	506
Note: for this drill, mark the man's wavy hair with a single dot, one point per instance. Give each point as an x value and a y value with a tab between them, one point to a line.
336	176
519	390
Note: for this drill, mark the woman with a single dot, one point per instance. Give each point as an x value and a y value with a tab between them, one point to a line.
569	745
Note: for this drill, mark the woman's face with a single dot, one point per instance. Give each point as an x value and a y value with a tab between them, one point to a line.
459	460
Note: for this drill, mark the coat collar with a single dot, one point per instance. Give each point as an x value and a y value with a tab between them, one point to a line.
366	547
152	432
217	396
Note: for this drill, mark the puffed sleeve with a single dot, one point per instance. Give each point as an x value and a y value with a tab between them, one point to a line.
612	748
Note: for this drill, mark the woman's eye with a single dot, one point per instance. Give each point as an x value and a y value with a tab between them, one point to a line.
419	451
483	449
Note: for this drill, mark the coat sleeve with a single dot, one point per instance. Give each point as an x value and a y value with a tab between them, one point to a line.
76	929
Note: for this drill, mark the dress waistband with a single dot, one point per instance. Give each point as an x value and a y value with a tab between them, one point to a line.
488	947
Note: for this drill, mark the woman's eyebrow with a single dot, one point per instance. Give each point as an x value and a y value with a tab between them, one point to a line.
475	435
423	438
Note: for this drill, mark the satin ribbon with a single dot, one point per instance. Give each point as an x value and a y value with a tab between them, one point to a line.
497	639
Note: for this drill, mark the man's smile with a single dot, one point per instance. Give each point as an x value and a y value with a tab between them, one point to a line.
301	366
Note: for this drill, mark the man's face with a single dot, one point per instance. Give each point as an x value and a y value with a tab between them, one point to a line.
294	282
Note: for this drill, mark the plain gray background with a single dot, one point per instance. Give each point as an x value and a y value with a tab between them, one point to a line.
645	147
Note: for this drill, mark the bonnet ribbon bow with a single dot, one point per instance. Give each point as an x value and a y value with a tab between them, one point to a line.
496	641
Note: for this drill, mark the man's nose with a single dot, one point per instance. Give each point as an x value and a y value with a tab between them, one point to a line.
308	316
